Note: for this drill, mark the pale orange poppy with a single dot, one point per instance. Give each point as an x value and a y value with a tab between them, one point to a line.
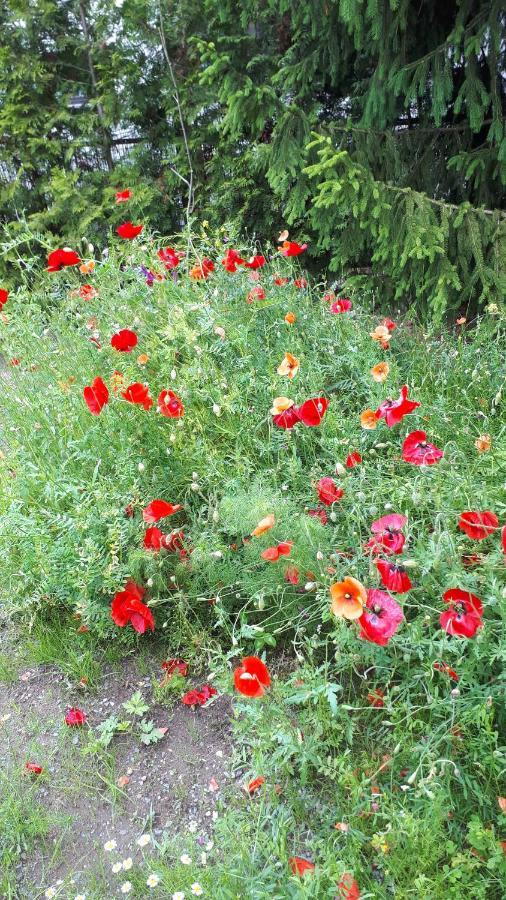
380	372
143	359
289	366
381	334
264	525
290	318
283	236
280	404
483	443
348	598
368	419
86	267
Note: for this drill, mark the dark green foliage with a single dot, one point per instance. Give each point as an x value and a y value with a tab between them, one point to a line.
408	191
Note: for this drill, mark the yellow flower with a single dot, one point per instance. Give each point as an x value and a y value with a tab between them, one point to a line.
289	366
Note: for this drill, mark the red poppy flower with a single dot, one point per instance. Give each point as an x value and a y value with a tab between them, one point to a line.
33	768
300	866
292	575
200	696
375	698
292	248
312	411
342	305
60	259
353	459
256	262
478	525
75	717
503	538
202	270
173	542
96	396
231	260
14	361
300	283
380	619
257	293
153	538
418	451
328	492
348	887
123	196
252	677
272	554
281	281
170	405
3	297
127	606
393	411
389	324
175	666
128	512
388	537
124	341
255	784
170	257
129	231
395	578
464	615
319	514
139	394
287	419
442	667
159	509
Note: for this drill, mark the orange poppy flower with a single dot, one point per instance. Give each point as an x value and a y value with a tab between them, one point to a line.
348	598
143	359
290	318
300	866
368	419
483	443
87	267
280	405
255	785
380	372
264	525
381	334
289	366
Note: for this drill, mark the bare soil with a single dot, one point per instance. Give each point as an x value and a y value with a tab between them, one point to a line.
129	790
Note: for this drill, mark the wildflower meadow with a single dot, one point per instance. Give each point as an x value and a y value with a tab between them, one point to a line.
252	450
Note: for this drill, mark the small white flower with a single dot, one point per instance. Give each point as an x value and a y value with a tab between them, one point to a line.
172	438
197	889
215	816
340	470
173	374
110	845
126	887
116	867
192	827
216	409
144	840
127	864
50	893
185	859
203	859
141	467
149	583
153	880
209	845
179	895
80	897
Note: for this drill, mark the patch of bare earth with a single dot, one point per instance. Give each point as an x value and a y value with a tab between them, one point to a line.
128	790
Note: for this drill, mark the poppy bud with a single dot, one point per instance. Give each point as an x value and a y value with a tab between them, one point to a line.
141	467
340	470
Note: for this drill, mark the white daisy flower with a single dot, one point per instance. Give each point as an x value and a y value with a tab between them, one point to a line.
144	840
153	880
197	889
127	864
185	859
179	895
110	845
116	867
126	887
50	893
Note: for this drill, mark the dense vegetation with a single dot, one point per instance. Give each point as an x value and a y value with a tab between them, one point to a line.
375	129
380	751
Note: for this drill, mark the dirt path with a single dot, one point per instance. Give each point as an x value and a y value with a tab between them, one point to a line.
122	792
